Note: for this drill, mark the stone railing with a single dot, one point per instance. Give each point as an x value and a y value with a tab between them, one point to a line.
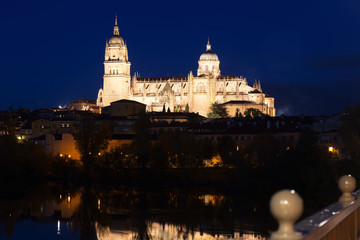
339	221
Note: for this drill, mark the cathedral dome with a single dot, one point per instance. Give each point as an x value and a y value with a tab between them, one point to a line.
116	39
209	55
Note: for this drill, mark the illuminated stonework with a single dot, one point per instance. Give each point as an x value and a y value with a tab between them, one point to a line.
198	92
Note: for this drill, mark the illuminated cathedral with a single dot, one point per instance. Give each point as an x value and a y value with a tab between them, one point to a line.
196	93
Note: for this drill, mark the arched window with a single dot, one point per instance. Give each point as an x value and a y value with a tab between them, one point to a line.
206	68
117	71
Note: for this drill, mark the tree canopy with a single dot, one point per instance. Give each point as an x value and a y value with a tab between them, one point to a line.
217	111
91	138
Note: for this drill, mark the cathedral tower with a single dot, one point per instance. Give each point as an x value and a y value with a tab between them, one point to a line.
116	71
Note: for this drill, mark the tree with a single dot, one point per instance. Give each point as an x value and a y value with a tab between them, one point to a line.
227	150
11	125
181	149
350	131
141	145
217	111
307	167
238	113
91	138
252	113
187	108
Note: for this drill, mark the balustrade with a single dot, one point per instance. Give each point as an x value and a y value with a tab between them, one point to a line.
339	221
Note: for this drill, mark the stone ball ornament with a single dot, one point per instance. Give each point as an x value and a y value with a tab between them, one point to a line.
286	206
347	185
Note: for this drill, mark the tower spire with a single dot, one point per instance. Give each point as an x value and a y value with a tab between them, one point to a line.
208	45
116	28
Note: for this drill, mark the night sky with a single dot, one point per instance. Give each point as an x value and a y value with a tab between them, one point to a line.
305	53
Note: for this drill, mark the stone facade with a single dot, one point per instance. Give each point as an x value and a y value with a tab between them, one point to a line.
198	92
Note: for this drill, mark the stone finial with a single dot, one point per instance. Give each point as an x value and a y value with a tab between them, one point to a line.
347	185
286	206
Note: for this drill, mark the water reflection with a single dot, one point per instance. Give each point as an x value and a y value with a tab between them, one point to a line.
92	212
170	232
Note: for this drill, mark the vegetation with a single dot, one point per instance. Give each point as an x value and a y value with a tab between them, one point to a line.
217	111
266	160
252	113
187	108
91	138
21	161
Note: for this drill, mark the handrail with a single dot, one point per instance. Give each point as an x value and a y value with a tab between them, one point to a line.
340	221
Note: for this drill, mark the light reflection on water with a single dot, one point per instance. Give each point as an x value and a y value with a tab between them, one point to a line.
173	232
130	214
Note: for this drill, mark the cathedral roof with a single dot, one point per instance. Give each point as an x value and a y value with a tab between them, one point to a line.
209	55
255	91
116	40
160	79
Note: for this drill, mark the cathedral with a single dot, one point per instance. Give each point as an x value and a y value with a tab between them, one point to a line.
196	93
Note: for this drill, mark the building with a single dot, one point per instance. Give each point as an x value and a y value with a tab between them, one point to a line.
124	108
176	93
84	105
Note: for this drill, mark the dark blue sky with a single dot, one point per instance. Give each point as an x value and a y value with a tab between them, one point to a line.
305	53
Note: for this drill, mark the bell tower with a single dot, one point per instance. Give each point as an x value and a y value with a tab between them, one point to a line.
116	71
